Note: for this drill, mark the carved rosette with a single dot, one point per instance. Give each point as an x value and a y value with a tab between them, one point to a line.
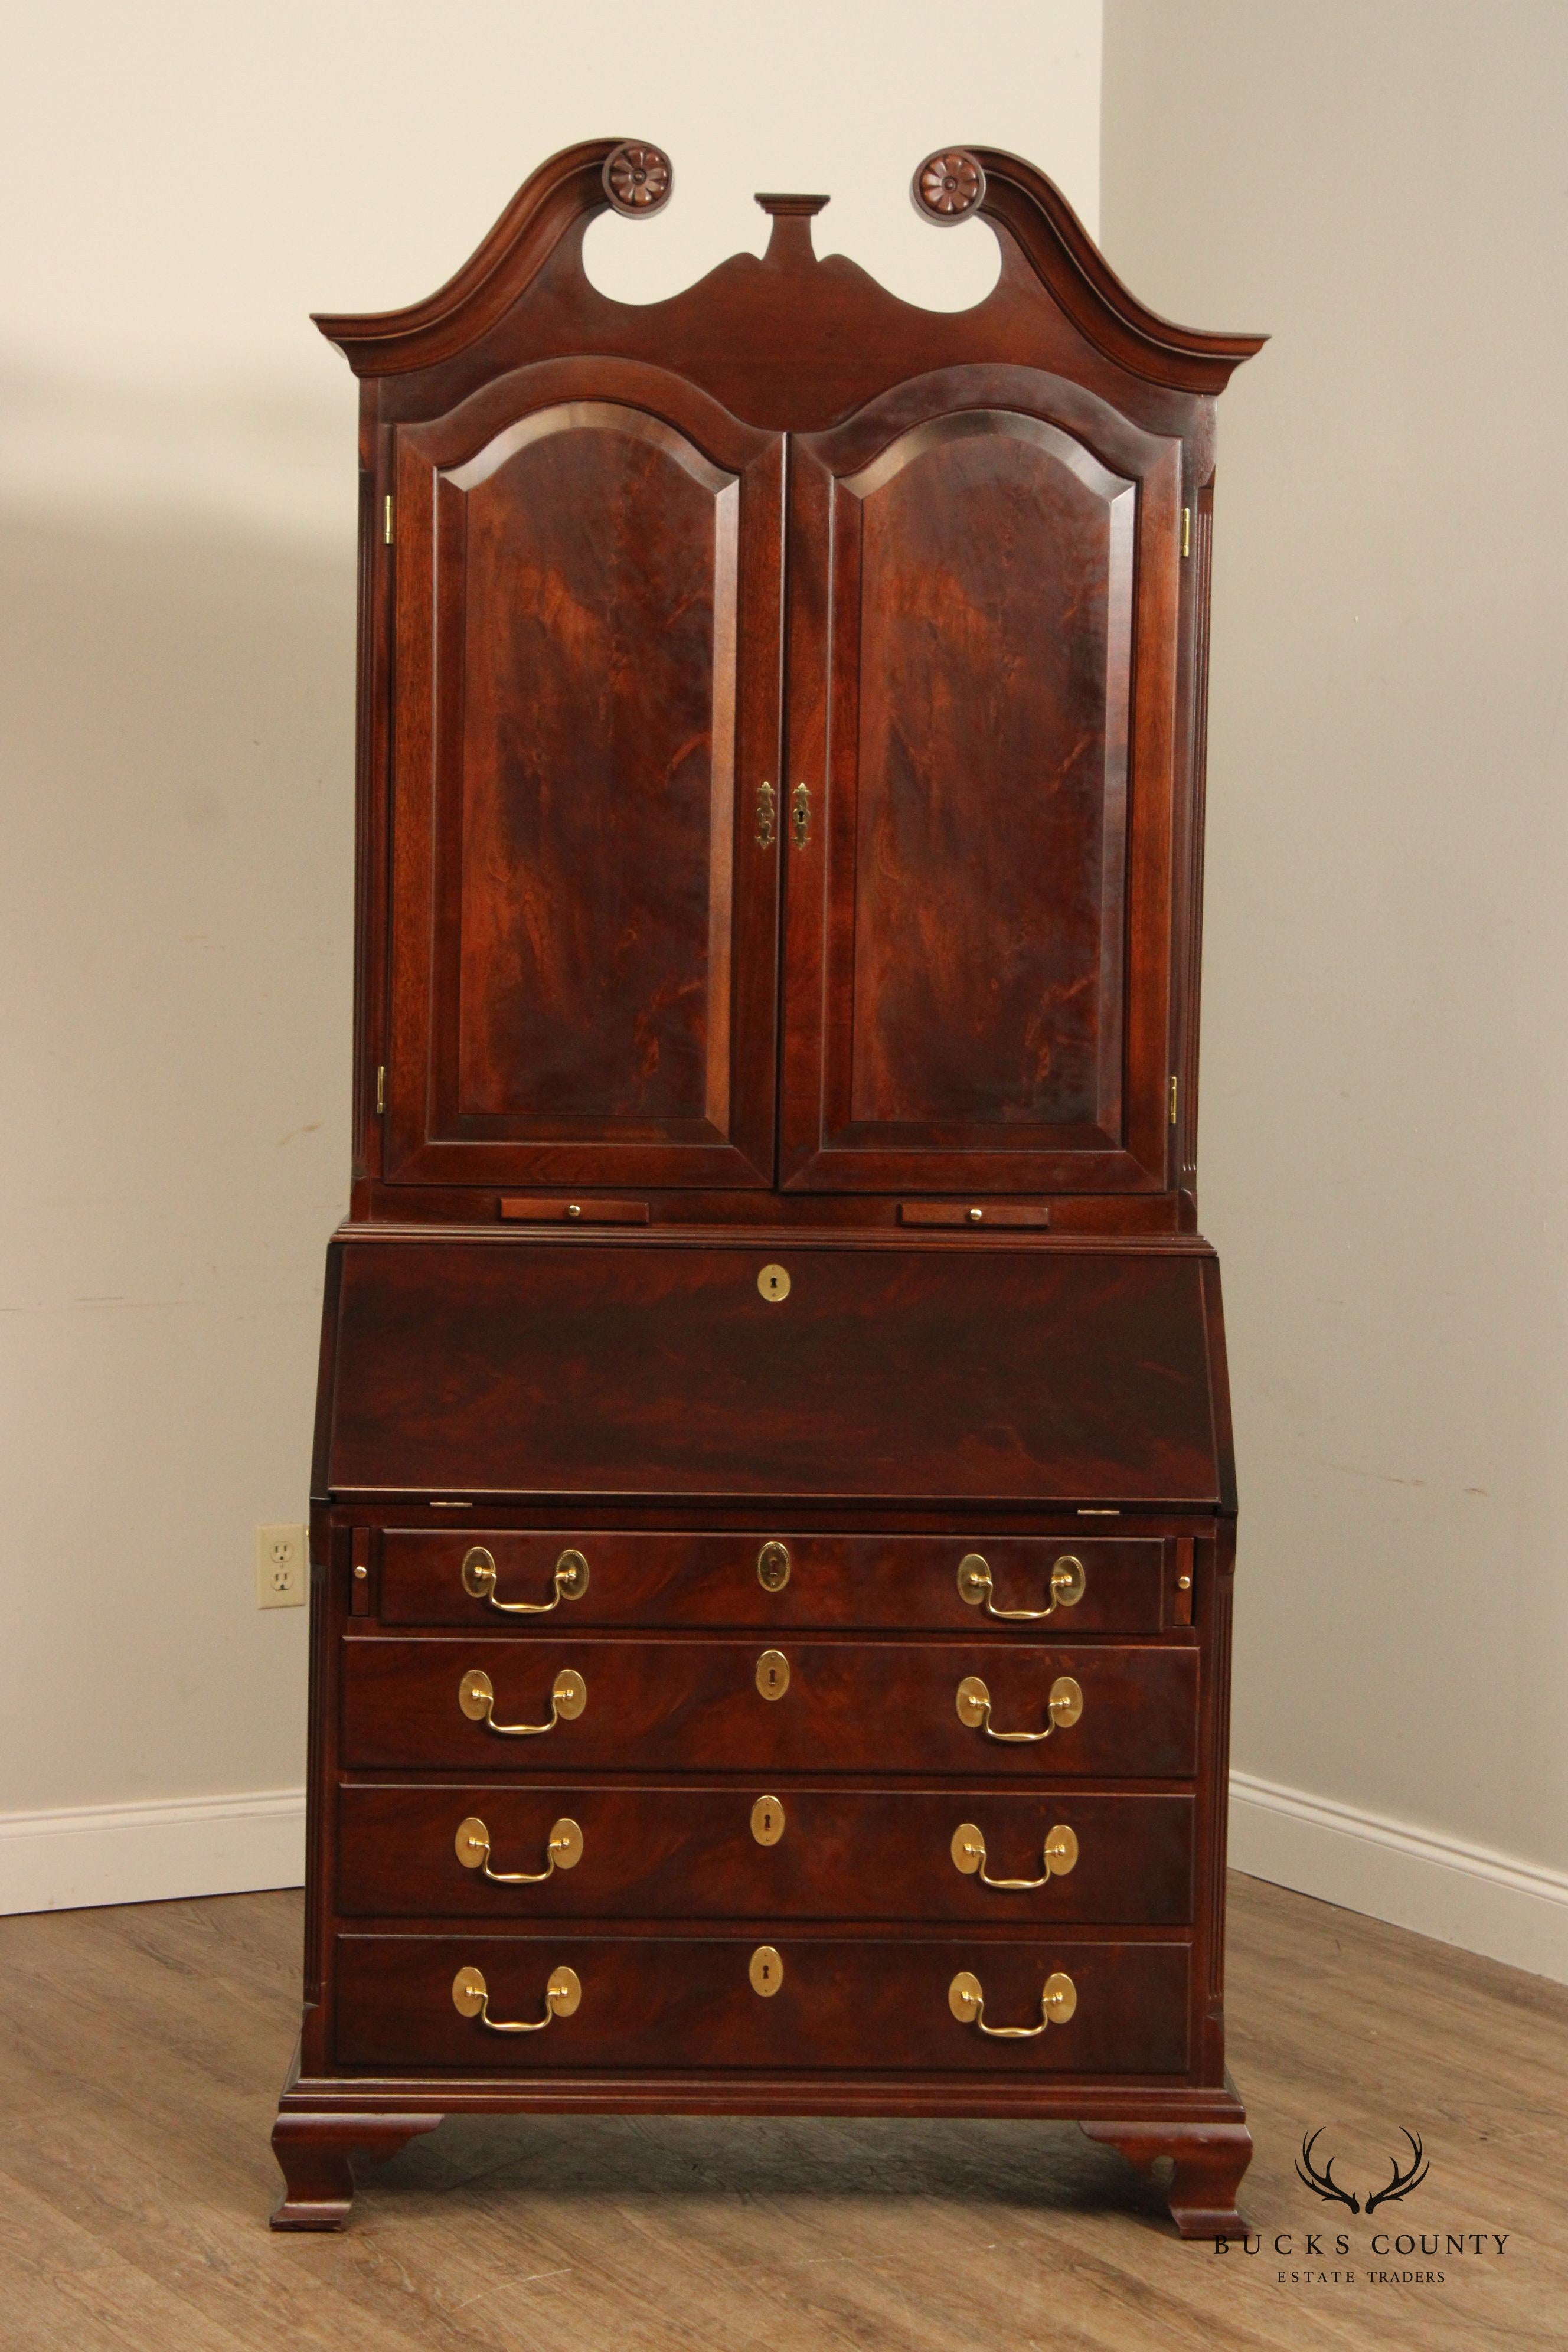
638	179
949	185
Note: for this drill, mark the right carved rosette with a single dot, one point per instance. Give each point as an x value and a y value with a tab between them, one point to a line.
948	186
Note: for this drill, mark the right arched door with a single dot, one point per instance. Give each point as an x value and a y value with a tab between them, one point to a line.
985	568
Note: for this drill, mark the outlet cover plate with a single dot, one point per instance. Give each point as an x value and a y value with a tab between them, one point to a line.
282	1568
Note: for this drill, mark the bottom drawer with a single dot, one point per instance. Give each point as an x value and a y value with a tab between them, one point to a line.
794	2001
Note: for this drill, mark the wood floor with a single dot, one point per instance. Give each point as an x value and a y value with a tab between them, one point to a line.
142	2049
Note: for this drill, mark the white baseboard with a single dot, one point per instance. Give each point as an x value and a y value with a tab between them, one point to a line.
152	1853
1468	1896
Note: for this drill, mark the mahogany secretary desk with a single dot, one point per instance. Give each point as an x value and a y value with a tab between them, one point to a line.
772	1508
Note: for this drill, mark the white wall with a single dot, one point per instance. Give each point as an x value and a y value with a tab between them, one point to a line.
181	184
1384	1081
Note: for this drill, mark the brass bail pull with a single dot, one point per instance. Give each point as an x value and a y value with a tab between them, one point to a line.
568	1697
1059	1999
563	1852
973	1703
976	1586
1057	1857
570	1583
471	1997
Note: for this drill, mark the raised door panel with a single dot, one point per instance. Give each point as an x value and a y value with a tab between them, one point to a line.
587	663
985	569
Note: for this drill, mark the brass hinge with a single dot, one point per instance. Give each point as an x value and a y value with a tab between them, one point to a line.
386	521
1174	1084
1186	530
381	1090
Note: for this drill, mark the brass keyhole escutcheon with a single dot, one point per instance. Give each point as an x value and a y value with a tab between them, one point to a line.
772	1566
767	1821
773	1284
772	1674
766	1970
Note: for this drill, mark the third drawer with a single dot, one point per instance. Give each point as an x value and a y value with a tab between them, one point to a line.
726	1853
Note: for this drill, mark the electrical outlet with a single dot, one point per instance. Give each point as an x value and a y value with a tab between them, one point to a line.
283	1577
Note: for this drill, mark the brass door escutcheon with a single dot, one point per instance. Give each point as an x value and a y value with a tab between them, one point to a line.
968	1852
973	1702
766	802
800	815
766	1970
1068	1581
563	1852
568	1697
772	1566
479	1582
767	1821
1059	1999
471	1997
772	1674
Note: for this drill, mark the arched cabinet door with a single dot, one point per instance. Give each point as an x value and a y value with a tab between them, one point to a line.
584	902
984	572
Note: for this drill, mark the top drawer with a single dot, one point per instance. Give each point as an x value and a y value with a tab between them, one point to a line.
939	1583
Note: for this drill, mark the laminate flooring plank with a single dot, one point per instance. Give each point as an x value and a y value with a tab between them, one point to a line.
140	2052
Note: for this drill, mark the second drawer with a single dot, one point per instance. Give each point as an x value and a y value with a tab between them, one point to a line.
739	1853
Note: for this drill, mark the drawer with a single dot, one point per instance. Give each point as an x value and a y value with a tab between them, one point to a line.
684	1852
772	1580
698	1705
687	2001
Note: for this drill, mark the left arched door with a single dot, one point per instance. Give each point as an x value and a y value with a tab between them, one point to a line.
584	864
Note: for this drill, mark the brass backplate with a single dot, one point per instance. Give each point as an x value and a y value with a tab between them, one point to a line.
967	1849
766	1970
772	1674
1067	1702
1061	1849
767	1821
476	1694
566	1844
964	1997
472	1843
1060	1997
1068	1581
772	1566
469	1993
563	1992
974	1578
572	1575
973	1700
479	1572
570	1693
773	1284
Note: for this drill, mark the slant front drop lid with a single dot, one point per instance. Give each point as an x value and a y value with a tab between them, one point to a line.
774	1510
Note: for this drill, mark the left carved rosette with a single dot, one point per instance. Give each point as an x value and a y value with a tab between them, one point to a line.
948	186
638	179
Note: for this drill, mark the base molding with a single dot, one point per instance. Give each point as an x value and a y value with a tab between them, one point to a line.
1463	1895
81	1856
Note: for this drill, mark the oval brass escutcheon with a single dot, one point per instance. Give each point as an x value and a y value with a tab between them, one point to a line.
570	1693
1068	1579
766	1970
472	1843
476	1694
964	1997
772	1674
968	1848
572	1575
772	1566
973	1700
479	1572
767	1821
1061	1849
564	1991
1065	1702
773	1284
1059	1998
469	1993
